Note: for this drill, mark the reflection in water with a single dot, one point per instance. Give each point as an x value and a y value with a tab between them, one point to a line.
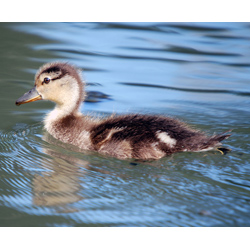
60	186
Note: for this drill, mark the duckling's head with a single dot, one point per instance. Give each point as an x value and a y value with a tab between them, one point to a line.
57	82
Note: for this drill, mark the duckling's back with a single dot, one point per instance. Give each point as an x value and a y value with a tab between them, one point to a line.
148	137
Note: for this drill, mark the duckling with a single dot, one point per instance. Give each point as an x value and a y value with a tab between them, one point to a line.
123	136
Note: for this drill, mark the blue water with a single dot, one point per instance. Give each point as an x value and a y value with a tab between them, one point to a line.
197	72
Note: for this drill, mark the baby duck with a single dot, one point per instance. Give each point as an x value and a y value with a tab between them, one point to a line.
123	136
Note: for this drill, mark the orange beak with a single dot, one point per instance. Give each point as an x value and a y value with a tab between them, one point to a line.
30	96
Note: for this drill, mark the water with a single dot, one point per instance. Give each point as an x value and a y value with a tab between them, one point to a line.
197	72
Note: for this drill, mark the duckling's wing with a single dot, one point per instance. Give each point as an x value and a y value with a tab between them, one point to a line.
135	127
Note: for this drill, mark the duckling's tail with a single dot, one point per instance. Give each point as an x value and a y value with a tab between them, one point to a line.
221	136
214	141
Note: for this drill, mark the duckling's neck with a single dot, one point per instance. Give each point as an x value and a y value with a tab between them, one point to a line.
61	111
68	106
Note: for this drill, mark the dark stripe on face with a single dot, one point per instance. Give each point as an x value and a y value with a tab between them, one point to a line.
60	76
59	71
52	69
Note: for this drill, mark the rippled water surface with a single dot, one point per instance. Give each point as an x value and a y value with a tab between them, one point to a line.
197	72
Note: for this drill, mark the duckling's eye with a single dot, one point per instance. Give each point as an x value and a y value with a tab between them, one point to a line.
46	80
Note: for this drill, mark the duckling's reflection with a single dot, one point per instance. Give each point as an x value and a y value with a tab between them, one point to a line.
59	185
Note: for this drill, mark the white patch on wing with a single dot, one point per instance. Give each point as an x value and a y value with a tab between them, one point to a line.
164	137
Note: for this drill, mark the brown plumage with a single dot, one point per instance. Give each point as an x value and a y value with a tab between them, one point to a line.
125	136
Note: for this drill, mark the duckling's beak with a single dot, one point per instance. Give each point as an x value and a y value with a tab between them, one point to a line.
30	96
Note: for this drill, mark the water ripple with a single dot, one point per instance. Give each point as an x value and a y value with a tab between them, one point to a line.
73	52
212	91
